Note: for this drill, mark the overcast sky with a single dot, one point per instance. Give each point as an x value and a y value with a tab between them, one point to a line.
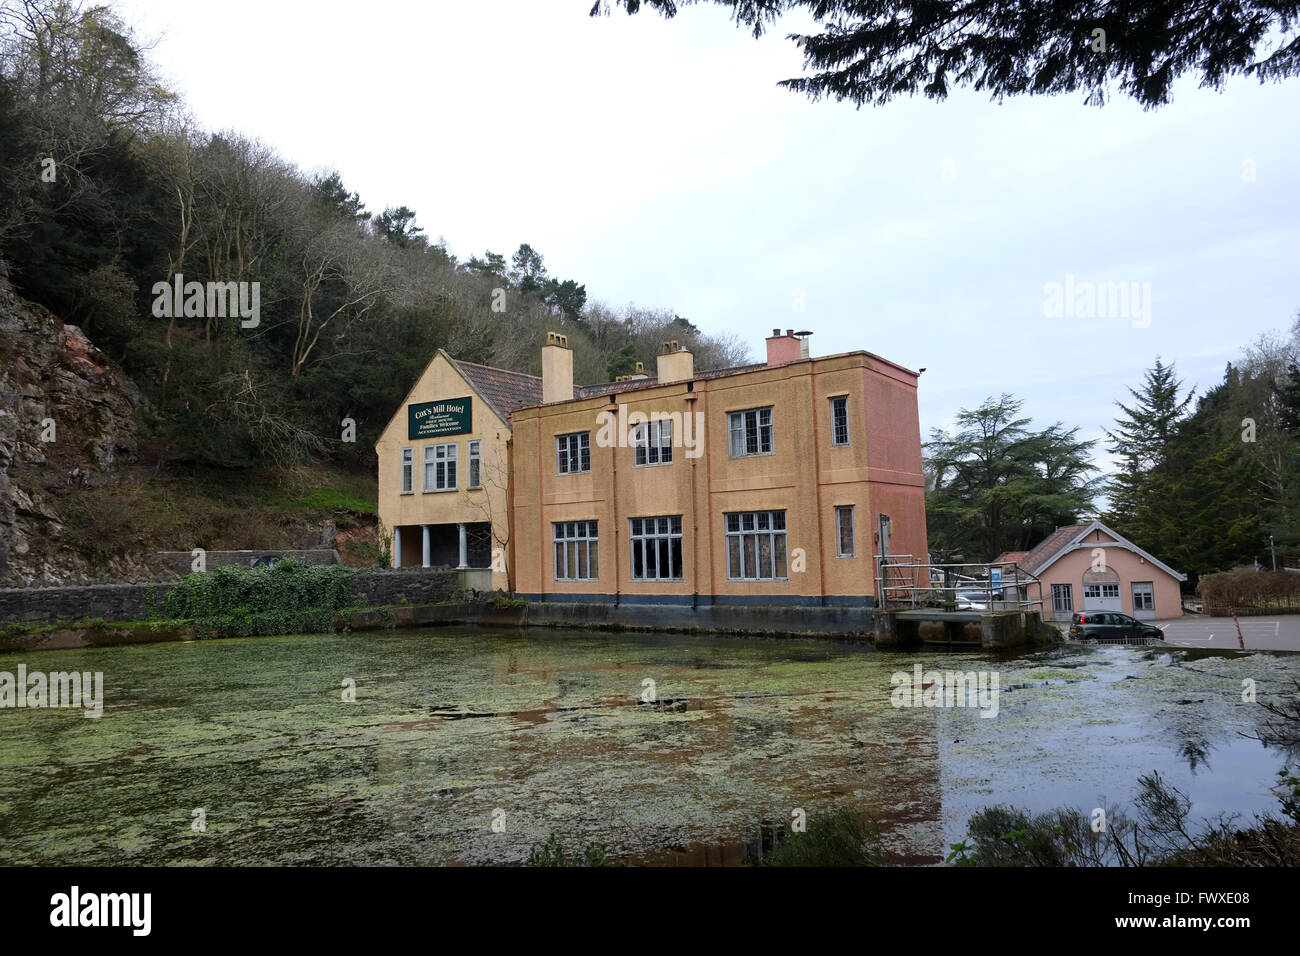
658	163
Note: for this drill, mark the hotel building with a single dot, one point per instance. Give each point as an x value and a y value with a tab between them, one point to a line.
774	483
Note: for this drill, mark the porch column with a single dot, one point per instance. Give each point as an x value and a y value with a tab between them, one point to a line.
464	547
425	528
397	547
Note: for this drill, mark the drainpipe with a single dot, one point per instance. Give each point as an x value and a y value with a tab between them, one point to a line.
817	485
541	513
695	525
613	496
510	516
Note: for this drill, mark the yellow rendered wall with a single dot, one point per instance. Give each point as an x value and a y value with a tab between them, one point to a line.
805	476
440	380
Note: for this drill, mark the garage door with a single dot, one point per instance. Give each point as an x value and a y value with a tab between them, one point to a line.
1102	597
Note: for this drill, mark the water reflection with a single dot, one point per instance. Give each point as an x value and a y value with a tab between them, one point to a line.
550	729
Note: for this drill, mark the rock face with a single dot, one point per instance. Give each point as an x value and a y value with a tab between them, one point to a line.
67	418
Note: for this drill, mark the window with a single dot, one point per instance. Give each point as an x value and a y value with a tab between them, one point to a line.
1062	598
573	453
1091	591
844	530
756	546
653	442
476	464
751	432
440	467
408	469
1110	591
657	548
840	420
576	557
1144	596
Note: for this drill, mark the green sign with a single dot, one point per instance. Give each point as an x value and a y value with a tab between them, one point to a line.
431	419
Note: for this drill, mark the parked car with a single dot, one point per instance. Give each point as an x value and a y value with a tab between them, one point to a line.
266	561
1111	626
972	600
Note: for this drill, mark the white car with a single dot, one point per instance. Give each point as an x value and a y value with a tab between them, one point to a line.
972	601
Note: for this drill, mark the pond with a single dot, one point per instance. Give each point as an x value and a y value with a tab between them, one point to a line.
468	746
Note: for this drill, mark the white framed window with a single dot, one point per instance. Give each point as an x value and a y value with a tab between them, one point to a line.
1144	596
1091	591
576	551
476	464
840	420
756	546
1063	598
653	442
657	548
408	470
844	531
440	467
573	453
1110	591
750	432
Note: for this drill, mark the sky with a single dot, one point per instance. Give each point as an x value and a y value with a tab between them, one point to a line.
657	162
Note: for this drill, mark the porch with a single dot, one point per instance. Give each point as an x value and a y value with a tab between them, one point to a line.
465	546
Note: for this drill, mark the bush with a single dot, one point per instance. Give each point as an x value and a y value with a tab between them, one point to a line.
282	593
1159	833
551	853
833	838
1250	589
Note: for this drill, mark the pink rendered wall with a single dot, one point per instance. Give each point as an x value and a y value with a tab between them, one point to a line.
1129	566
894	481
782	349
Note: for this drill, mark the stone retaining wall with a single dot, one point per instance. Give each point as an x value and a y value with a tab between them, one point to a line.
182	562
130	602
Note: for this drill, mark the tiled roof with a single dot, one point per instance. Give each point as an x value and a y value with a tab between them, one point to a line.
508	391
1040	557
503	390
1046	549
1011	557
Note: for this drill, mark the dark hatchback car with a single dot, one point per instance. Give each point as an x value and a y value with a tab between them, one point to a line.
1111	627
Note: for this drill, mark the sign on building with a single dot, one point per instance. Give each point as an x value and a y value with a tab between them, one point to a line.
432	419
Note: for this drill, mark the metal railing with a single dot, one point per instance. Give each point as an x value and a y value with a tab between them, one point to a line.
902	581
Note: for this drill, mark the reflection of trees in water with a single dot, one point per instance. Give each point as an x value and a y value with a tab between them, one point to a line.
1196	751
1280	724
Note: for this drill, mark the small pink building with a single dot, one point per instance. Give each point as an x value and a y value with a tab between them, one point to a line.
1089	567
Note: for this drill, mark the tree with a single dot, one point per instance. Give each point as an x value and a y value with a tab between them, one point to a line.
567	296
623	362
1141	440
493	264
1289	401
870	51
397	225
528	274
1200	509
331	193
996	485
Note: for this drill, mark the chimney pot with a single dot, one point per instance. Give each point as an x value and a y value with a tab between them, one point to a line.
557	369
675	364
782	348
